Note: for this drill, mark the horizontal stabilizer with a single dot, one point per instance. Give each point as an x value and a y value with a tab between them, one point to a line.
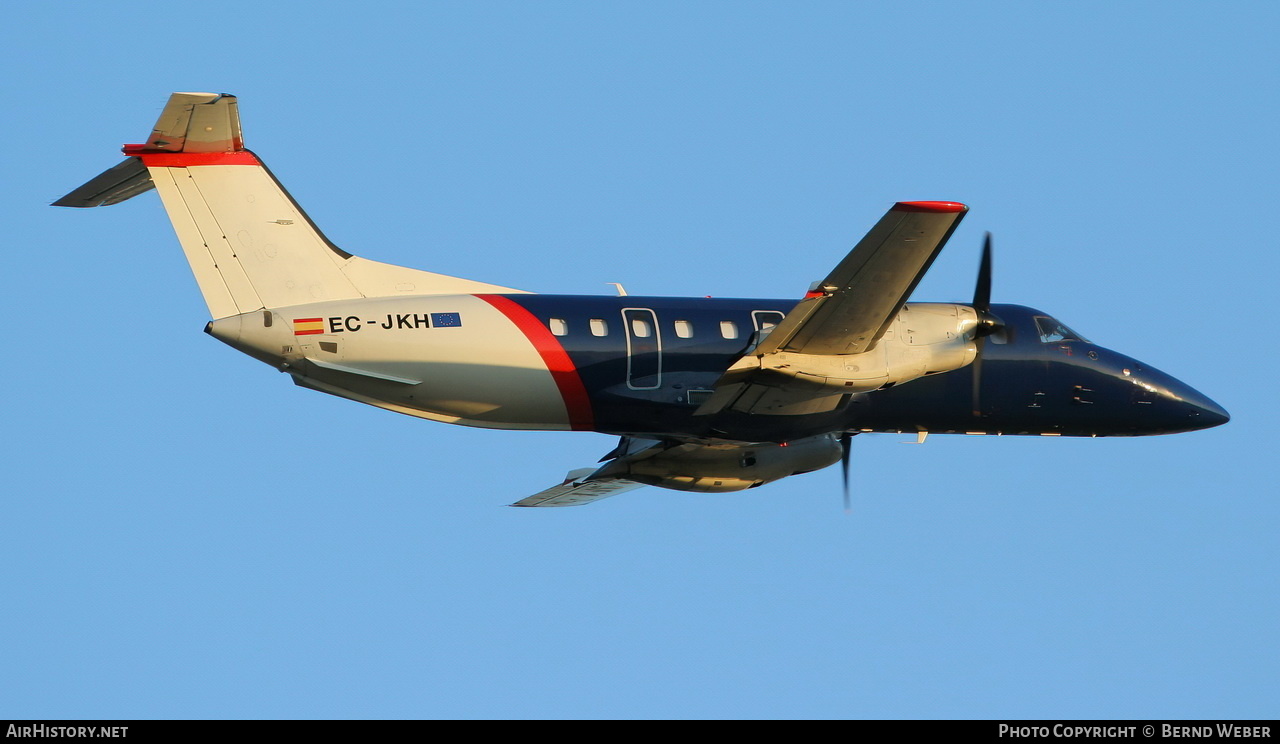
190	122
198	122
574	492
112	186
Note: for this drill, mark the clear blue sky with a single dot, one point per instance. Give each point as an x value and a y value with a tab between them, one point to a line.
185	534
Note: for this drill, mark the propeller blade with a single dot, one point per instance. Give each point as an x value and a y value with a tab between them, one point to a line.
846	440
982	291
980	342
988	322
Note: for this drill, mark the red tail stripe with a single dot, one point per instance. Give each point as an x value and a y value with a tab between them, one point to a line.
576	401
163	159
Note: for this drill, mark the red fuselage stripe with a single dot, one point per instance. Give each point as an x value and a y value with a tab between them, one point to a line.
576	401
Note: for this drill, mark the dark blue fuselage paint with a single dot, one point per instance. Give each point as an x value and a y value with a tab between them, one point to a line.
649	362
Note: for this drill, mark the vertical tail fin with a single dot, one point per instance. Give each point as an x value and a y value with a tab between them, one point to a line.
249	244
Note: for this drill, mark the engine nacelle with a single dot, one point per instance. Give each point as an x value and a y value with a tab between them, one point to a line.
925	338
729	467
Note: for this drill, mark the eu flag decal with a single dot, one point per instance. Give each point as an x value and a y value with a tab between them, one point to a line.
445	320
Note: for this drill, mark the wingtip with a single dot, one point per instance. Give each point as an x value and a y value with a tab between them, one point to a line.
930	206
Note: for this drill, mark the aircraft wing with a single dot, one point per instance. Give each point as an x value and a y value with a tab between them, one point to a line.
848	312
576	491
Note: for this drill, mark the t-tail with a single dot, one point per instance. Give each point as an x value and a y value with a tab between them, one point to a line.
250	245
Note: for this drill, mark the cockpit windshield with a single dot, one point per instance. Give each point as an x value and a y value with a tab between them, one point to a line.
1052	332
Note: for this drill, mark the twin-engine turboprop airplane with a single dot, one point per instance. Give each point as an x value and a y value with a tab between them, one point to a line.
706	394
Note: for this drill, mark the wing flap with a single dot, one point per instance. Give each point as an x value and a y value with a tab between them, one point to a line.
769	400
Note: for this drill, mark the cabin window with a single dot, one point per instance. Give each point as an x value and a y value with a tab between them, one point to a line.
728	329
641	328
599	327
684	329
766	319
558	327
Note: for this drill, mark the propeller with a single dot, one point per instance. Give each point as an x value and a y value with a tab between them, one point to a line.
846	440
988	322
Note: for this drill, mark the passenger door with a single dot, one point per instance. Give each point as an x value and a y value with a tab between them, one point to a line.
644	348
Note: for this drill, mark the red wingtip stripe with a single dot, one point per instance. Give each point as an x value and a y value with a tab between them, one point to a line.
577	402
930	206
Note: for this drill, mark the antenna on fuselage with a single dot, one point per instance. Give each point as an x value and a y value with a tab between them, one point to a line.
622	292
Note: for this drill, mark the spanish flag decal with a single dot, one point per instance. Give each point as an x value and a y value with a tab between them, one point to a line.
308	326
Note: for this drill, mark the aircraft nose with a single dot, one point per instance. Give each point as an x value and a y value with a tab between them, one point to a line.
1201	412
1178	406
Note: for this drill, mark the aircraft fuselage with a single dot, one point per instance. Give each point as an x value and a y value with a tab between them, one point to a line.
641	366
